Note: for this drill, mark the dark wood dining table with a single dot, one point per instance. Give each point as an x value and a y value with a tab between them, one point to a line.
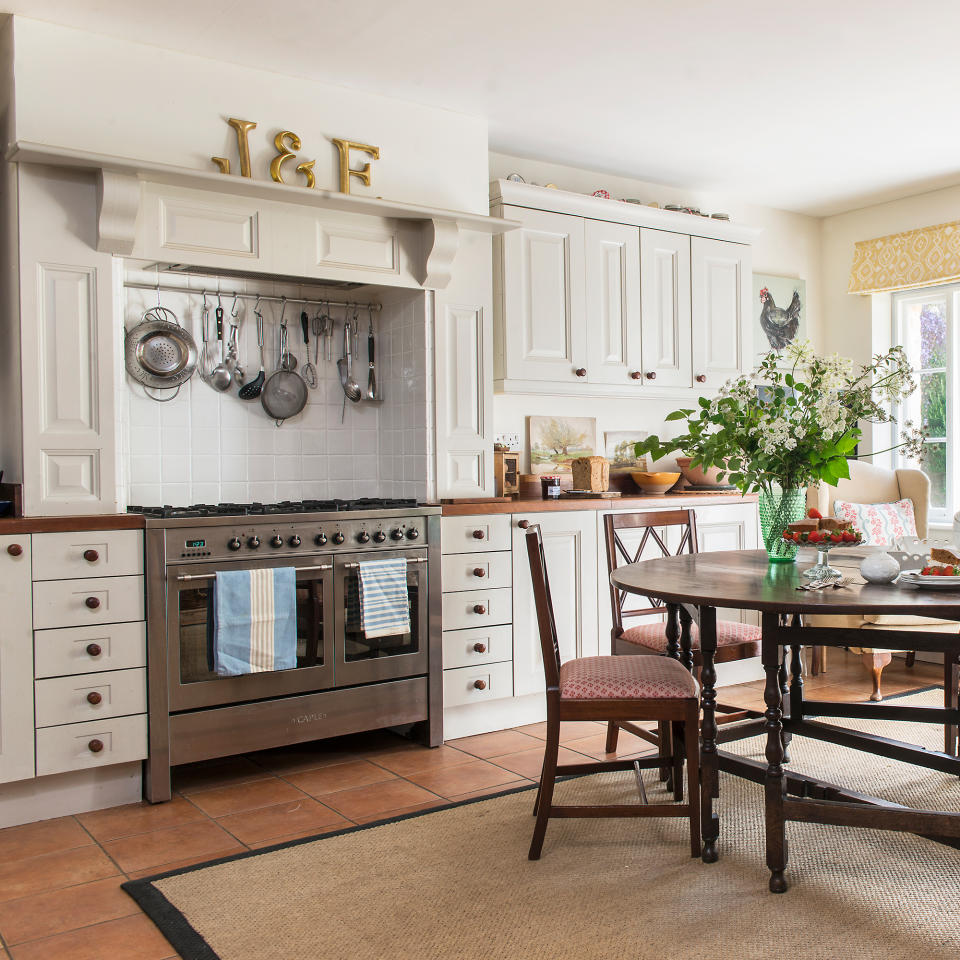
697	584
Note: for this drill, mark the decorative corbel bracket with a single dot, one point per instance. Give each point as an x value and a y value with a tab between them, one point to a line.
118	203
441	252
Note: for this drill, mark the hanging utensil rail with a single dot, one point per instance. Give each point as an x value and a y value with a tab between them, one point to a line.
169	288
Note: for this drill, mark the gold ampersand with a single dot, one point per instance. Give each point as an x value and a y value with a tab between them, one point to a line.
285	142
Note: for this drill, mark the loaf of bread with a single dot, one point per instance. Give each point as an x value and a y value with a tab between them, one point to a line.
940	555
591	473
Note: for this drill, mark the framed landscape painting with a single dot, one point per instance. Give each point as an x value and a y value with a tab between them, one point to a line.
779	312
618	449
556	441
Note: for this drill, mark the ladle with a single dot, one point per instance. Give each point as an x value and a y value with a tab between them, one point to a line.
251	390
220	376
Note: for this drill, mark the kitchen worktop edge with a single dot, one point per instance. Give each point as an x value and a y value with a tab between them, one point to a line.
638	502
100	521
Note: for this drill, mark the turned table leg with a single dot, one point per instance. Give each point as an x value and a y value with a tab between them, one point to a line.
875	661
710	778
775	782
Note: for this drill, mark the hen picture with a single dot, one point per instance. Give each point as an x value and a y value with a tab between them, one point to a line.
781	317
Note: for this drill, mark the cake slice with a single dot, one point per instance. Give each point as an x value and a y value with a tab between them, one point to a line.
939	555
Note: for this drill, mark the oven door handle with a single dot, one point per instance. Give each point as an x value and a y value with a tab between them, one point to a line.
212	576
354	566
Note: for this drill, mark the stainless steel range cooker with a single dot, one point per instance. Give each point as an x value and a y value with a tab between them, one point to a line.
343	682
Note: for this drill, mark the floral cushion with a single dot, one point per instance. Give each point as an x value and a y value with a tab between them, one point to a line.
881	523
625	678
653	636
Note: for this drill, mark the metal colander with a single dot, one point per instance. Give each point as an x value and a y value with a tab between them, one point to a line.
158	352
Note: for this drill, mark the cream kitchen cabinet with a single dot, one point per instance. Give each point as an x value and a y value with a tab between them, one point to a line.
665	303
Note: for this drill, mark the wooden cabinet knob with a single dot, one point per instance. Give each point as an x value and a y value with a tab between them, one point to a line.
94	649
14	549
523	524
581	371
650	375
480	684
479	572
91	556
92	602
477	534
479	608
94	698
95	746
635	375
480	648
701	378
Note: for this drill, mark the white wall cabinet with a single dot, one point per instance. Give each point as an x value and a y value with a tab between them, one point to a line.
665	299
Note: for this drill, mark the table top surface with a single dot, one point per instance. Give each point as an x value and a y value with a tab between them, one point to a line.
746	580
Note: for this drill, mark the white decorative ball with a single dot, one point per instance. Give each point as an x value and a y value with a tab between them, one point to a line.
879	568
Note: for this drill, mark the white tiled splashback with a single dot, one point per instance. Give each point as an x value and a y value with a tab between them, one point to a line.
206	447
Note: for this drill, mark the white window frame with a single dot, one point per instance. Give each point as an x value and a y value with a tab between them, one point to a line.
950	293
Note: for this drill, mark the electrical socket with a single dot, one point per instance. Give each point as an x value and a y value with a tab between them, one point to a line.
510	440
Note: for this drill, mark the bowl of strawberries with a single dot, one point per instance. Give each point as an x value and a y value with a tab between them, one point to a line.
824	533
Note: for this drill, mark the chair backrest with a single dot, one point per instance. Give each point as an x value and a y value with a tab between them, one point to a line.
618	552
872	484
549	644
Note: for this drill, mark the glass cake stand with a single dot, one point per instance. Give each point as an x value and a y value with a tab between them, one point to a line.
822	570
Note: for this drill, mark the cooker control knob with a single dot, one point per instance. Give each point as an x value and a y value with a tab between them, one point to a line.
294	541
413	533
396	534
379	537
320	539
253	543
338	538
276	541
234	543
363	537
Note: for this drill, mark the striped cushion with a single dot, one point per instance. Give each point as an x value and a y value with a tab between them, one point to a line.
881	523
653	636
625	678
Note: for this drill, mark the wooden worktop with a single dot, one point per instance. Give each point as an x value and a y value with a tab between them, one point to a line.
635	502
97	521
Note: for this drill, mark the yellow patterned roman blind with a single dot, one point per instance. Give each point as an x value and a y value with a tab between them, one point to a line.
916	258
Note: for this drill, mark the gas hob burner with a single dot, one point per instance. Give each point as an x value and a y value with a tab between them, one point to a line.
201	510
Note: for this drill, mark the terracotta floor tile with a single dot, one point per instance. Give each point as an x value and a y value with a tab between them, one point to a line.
36	839
378	799
299	835
203	840
284	819
307	757
452	781
595	746
529	763
342	776
223	801
138	818
497	744
569	729
58	911
402	811
186	862
490	791
23	878
132	938
403	762
192	777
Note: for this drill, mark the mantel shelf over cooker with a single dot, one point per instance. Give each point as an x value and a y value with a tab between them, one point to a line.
120	199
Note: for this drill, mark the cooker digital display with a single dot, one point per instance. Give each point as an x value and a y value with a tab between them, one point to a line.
195	544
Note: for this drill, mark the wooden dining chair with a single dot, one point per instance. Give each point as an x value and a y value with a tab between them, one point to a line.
735	640
612	688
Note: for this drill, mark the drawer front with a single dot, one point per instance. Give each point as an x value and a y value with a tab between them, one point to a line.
73	650
492	681
60	749
92	553
90	696
476	533
77	603
477	608
473	571
469	648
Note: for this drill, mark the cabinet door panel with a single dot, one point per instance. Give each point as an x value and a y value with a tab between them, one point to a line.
544	324
613	301
570	546
665	299
720	308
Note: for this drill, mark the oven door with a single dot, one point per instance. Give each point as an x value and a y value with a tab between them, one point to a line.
192	682
361	659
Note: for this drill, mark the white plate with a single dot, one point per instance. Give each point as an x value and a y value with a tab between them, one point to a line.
913	578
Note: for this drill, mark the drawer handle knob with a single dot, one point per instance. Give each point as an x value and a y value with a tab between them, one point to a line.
91	556
477	534
94	698
523	524
479	572
651	375
92	602
94	649
581	371
635	375
14	549
479	608
480	647
480	684
701	378
95	746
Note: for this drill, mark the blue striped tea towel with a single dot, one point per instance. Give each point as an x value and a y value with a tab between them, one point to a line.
255	621
384	607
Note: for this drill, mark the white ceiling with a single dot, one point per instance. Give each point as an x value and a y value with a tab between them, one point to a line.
813	106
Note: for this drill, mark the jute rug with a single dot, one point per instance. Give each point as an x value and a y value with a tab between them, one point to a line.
456	883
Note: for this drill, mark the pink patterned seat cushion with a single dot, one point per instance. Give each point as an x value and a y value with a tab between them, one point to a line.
625	678
882	523
653	636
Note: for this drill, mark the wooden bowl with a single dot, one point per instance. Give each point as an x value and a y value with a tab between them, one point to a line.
654	483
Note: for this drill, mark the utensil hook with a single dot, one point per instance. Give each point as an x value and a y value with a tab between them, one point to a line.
370	311
256	308
235	310
283	309
158	285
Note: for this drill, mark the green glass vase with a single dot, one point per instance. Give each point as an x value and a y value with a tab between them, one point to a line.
777	510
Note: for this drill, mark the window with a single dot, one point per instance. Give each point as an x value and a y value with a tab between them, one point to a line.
923	322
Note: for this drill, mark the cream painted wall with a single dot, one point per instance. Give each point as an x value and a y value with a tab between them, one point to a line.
789	246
